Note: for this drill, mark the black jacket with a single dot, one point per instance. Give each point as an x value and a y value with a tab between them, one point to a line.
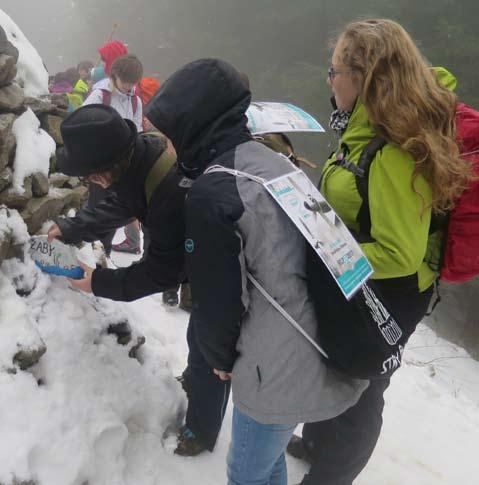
201	108
162	266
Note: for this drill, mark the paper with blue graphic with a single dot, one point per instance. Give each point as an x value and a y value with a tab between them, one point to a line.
323	229
280	118
55	257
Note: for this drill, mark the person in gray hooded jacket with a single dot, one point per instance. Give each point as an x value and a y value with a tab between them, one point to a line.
233	227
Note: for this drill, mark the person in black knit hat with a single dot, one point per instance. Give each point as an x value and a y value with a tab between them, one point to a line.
144	183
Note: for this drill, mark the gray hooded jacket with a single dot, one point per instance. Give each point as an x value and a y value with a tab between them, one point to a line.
234	226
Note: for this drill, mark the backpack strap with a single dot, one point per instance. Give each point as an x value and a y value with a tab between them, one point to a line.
106	97
134	103
362	183
106	100
361	174
364	164
157	173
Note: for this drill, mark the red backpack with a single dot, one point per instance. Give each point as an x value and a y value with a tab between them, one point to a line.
460	258
461	254
106	99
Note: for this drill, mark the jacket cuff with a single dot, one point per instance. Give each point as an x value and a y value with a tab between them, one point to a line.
67	230
105	285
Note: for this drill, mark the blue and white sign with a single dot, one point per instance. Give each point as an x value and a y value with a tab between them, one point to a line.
55	257
323	229
280	118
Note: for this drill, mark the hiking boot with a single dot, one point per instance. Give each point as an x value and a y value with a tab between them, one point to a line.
188	443
126	247
186	303
170	297
297	449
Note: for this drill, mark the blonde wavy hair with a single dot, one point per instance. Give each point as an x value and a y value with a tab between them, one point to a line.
407	104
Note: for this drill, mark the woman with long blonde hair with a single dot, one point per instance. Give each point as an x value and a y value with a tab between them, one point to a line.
384	94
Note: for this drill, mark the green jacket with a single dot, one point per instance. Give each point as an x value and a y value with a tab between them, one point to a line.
79	93
400	216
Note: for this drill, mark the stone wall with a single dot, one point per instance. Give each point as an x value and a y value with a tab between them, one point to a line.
44	197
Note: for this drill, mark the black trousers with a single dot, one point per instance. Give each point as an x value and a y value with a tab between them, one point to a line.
340	448
207	394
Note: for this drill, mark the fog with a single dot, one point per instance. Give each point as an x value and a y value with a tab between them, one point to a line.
283	45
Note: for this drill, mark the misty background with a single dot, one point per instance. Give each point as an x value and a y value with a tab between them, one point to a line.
283	45
285	48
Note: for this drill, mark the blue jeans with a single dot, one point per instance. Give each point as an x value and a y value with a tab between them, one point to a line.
256	454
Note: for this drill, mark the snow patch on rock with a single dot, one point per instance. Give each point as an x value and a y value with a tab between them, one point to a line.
32	74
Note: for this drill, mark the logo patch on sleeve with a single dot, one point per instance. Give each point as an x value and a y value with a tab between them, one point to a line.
189	246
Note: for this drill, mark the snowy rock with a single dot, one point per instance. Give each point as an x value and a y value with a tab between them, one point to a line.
32	74
82	424
8	69
13	234
6	47
11	222
73	182
27	358
40	185
11	98
34	148
60	100
21	343
58	180
6	177
39	210
51	124
75	198
122	330
15	200
40	105
5	243
7	139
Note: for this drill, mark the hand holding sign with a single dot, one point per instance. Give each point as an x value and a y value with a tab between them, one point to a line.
83	284
53	233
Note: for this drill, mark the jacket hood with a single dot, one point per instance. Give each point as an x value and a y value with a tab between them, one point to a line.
81	87
110	51
201	108
446	78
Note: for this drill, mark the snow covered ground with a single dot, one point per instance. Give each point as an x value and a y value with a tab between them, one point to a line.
99	417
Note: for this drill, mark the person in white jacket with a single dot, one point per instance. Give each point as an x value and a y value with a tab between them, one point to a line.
118	91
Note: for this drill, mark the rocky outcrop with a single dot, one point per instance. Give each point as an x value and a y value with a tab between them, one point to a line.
6	47
8	69
17	200
44	197
51	124
11	98
40	185
58	201
7	139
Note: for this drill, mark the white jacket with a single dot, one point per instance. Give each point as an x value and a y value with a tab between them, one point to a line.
119	101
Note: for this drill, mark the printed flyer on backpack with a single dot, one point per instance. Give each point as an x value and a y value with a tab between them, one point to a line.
323	229
55	257
280	118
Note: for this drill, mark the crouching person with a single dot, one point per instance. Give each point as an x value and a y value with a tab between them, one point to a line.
233	227
104	148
